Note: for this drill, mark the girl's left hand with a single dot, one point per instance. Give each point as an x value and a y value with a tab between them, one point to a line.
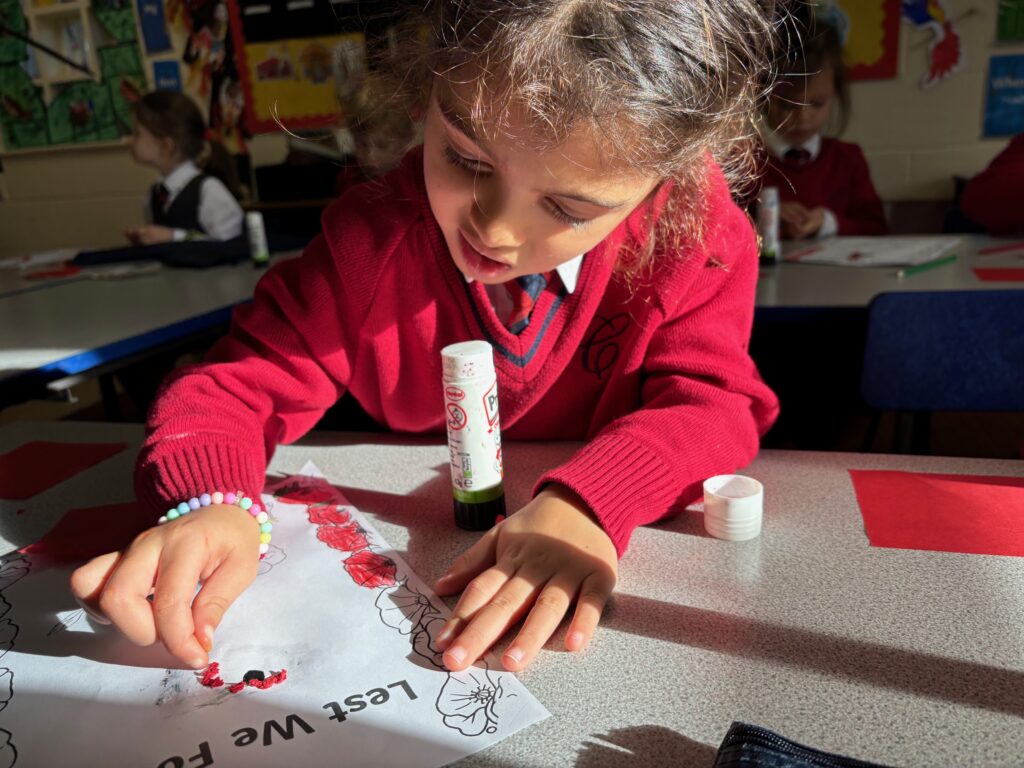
149	234
536	561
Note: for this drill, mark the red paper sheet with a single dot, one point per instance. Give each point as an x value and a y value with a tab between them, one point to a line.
976	514
34	467
999	274
91	531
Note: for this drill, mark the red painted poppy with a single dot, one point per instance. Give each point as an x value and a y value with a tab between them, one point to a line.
369	569
328	515
344	538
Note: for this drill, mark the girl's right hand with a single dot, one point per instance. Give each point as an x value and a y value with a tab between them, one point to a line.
217	546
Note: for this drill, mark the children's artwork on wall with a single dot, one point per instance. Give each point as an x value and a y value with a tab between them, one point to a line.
166	76
153	21
286	61
44	100
211	75
945	51
330	654
1004	97
870	33
1010	23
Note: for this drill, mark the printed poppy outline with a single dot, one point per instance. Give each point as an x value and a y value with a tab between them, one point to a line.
408	608
8	752
469	700
328	514
302	489
11	571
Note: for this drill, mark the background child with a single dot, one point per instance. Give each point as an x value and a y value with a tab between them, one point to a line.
571	170
824	184
992	198
196	196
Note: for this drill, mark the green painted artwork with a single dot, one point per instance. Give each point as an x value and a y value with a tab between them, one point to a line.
1010	23
70	110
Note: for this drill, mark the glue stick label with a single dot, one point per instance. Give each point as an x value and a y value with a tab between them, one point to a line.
474	429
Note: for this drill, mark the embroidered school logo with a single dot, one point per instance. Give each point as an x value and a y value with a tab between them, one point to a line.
600	350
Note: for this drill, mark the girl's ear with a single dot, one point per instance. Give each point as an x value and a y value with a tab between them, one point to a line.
168	147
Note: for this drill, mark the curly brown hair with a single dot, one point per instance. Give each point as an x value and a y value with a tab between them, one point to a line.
663	83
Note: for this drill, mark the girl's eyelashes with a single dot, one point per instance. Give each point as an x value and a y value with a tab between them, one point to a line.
476	167
466	163
573	221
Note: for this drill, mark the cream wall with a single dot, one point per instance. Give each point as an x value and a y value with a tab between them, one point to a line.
916	139
83	197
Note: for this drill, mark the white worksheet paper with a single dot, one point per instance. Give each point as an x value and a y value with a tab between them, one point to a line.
896	251
333	606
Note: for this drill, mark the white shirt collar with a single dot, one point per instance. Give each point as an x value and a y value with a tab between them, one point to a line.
778	146
176	180
568	272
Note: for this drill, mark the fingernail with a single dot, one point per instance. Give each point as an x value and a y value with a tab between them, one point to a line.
516	654
198	663
92	614
206	638
456	654
575	639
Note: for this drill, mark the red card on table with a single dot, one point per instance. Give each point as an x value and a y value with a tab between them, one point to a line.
36	466
999	274
91	531
976	514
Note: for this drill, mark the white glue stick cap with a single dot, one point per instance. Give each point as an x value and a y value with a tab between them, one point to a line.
467	360
733	507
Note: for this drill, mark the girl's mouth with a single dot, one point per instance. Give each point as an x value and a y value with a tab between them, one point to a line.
477	265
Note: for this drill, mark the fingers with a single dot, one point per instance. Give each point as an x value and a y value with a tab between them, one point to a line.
468	564
476	595
491	621
219	591
123	597
594	593
545	616
180	570
88	580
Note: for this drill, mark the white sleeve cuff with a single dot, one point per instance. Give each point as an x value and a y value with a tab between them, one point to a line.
829	227
178	235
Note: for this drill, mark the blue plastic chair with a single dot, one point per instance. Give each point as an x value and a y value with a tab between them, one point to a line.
944	351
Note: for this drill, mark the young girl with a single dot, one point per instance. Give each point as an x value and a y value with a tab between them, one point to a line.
992	198
196	195
579	146
824	184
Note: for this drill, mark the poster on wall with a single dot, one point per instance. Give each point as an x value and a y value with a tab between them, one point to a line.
1010	22
945	51
46	101
870	33
210	75
153	21
286	62
1004	98
166	76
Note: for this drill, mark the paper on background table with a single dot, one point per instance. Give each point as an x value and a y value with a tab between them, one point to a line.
874	251
976	514
333	605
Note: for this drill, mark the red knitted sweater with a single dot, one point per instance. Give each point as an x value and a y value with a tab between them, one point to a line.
655	377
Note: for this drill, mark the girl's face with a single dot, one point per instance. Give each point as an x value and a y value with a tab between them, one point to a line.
507	211
147	149
799	108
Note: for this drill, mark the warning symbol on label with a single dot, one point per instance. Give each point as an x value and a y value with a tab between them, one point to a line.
454	393
491	403
456	417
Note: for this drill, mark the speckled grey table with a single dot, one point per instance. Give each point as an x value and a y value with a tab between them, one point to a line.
903	657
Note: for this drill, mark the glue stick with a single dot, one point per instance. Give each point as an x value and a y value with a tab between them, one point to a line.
474	434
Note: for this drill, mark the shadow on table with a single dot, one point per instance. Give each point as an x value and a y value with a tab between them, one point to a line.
901	669
646	745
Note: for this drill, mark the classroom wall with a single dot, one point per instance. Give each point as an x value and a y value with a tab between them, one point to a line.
915	139
83	197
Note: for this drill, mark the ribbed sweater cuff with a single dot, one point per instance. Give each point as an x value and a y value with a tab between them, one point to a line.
620	480
174	471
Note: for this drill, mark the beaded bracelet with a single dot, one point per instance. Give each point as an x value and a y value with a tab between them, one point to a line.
238	499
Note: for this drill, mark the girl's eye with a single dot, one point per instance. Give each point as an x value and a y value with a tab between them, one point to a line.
556	210
465	163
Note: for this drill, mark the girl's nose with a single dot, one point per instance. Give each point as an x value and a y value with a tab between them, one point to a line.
491	217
